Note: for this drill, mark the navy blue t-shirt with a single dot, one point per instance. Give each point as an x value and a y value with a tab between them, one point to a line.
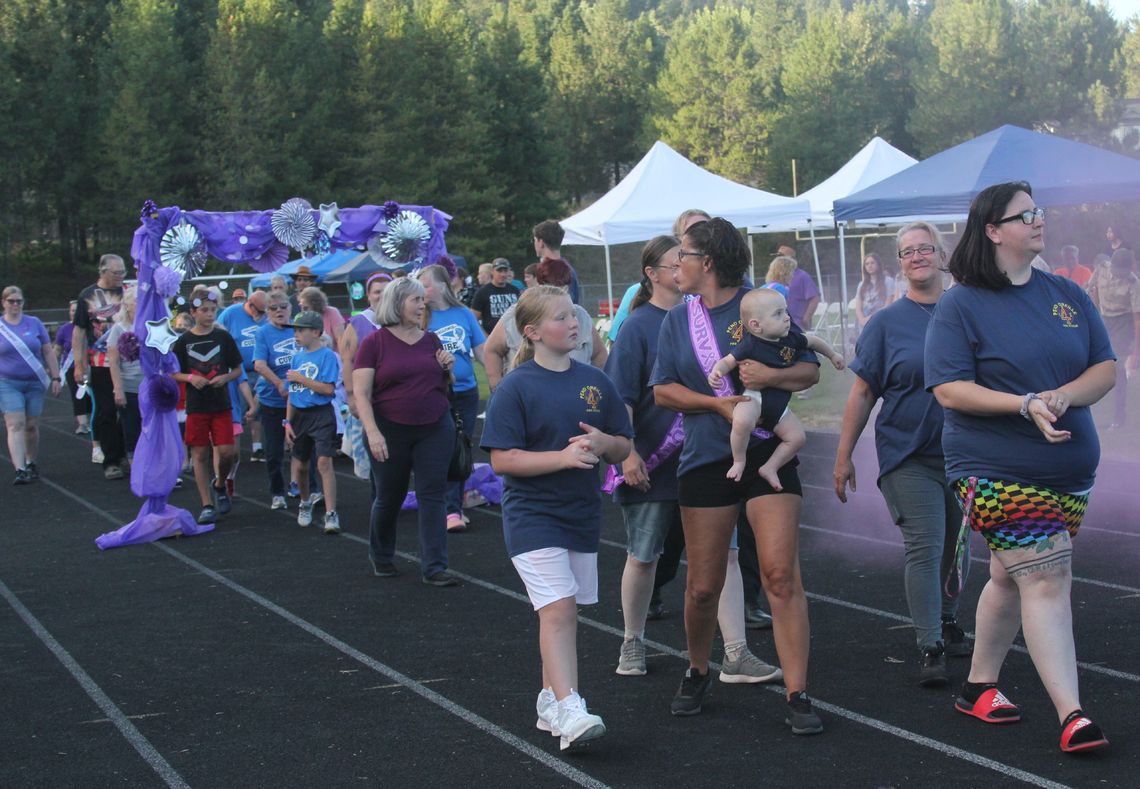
538	410
889	358
1023	338
706	434
629	366
774	353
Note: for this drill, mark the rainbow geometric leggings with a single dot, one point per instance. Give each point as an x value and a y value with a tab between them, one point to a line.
1015	514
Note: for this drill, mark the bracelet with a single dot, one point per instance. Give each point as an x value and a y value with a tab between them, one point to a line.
55	378
1025	401
285	423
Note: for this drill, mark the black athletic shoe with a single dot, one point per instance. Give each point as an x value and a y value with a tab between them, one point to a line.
756	618
932	673
257	456
208	515
384	570
656	610
954	638
22	477
442	578
689	696
32	470
801	717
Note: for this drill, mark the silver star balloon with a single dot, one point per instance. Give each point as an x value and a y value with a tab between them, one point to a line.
159	335
330	218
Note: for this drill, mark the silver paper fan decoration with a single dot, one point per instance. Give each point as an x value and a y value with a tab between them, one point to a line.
183	250
406	237
293	224
376	250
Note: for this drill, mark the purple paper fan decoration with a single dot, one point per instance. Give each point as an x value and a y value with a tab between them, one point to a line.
391	209
149	207
293	224
128	346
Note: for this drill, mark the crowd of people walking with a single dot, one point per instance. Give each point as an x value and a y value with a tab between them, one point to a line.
984	391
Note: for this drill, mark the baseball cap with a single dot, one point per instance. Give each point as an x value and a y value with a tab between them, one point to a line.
501	263
307	320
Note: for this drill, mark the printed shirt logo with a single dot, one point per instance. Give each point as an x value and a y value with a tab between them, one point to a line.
248	335
736	331
1067	313
307	369
593	397
284	351
787	354
454	338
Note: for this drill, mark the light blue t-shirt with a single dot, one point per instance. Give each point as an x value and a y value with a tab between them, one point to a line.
274	346
321	365
1022	338
237	402
460	333
538	410
706	434
243	329
889	358
622	311
629	365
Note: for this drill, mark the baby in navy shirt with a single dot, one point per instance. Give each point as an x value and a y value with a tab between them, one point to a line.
773	340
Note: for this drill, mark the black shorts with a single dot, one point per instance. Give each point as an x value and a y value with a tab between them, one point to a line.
708	485
314	428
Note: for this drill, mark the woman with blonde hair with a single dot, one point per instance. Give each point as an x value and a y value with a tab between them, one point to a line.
780	273
28	369
126	371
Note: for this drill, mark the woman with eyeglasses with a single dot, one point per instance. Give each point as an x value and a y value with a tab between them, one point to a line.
888	366
713	258
28	369
1016	357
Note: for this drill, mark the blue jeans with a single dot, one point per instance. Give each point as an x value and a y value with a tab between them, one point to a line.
425	450
929	517
467	404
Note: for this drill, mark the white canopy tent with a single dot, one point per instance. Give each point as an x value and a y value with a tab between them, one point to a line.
877	160
662	185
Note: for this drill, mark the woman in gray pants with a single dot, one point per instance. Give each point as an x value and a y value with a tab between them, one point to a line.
908	440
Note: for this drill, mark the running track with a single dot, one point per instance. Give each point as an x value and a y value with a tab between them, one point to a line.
264	654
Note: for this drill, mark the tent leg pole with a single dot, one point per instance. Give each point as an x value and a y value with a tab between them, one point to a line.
609	284
815	255
842	290
752	255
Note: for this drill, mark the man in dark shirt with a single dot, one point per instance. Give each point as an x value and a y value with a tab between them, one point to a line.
496	297
547	236
96	308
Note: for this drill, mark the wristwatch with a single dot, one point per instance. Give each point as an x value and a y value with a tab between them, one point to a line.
1025	401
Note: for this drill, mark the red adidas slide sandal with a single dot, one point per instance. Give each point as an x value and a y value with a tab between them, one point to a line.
992	707
1079	733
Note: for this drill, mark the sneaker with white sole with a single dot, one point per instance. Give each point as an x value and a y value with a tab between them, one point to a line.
315	499
97	455
547	707
332	523
631	661
576	725
279	503
305	514
747	668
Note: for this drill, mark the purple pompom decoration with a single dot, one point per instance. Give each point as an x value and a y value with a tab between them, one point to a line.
167	281
391	209
448	265
161	391
129	346
149	207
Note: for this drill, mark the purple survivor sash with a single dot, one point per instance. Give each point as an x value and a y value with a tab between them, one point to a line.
674	438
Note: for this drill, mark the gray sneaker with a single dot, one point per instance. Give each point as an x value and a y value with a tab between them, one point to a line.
748	669
305	514
332	523
631	663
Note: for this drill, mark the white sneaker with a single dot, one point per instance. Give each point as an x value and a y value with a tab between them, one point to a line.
576	725
278	503
305	514
315	499
97	455
332	523
547	706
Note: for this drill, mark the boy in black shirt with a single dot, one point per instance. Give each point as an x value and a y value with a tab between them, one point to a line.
209	359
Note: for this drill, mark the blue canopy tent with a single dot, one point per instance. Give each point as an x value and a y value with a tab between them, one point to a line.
320	265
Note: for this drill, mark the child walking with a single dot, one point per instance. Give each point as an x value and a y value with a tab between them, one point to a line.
771	339
208	359
550	424
310	422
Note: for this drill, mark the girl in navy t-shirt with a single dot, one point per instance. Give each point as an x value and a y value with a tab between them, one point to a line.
550	424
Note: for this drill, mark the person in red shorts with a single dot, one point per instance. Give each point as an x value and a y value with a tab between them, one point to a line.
208	359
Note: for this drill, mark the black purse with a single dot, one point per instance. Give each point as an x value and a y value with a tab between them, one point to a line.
463	455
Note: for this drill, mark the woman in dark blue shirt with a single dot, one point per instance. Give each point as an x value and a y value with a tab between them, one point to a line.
1016	357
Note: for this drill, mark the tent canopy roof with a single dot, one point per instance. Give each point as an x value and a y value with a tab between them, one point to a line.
1061	172
877	160
662	185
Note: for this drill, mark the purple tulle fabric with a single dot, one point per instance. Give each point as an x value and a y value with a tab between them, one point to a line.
482	479
238	237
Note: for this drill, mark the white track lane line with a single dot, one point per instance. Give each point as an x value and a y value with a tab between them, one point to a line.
547	760
129	731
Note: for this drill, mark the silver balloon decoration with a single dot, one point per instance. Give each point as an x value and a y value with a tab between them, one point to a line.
293	224
406	237
183	250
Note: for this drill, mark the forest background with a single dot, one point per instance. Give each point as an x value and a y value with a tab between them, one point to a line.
500	113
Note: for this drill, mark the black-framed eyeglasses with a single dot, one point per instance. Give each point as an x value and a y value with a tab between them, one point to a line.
682	254
1027	217
921	249
14	301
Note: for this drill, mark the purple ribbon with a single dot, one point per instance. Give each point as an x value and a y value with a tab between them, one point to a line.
674	438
